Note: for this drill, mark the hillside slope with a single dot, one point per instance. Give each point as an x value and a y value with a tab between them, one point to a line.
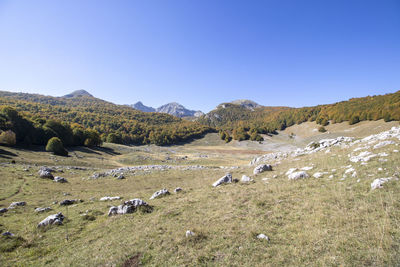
129	125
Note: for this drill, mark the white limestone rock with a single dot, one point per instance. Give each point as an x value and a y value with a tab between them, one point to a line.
42	209
160	193
262	168
226	179
298	175
246	179
110	198
130	206
55	219
17	204
378	183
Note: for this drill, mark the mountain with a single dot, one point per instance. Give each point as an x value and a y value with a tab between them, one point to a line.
178	110
78	93
249	104
139	106
174	109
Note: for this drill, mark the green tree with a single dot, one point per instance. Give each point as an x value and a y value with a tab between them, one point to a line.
56	146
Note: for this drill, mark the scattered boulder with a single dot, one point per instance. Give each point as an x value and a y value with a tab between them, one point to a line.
161	193
42	209
55	219
178	189
298	175
109	198
262	236
45	172
226	179
378	183
189	233
363	156
67	202
120	177
3	210
262	168
59	179
17	204
246	179
130	206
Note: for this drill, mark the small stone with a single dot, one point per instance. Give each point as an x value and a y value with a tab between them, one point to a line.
262	236
178	189
67	202
246	179
109	198
7	234
189	233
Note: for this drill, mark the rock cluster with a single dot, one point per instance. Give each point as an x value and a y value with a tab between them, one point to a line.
262	168
129	206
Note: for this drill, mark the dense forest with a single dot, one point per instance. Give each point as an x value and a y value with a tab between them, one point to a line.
240	123
114	123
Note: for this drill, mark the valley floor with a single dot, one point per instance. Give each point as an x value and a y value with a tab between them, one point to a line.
336	219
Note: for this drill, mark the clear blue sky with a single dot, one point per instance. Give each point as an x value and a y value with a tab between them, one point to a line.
202	52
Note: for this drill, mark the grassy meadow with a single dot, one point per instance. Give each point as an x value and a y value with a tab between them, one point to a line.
318	222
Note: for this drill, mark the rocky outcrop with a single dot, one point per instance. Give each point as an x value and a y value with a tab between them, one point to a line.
55	219
178	110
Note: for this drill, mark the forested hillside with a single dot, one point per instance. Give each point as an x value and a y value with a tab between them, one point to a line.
243	123
115	123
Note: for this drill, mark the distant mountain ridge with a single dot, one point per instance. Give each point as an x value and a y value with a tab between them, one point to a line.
173	108
78	93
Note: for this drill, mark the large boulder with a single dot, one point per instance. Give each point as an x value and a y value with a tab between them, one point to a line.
130	206
298	175
226	179
161	193
55	219
262	168
45	172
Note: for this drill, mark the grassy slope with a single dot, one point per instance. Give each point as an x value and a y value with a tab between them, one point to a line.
313	221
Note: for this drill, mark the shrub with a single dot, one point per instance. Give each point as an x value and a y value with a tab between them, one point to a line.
354	120
114	138
322	129
56	146
8	138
